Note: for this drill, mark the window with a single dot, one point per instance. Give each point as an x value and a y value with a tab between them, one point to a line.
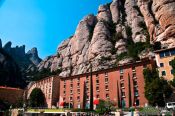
64	86
135	82
96	75
163	73
87	78
78	79
172	52
170	63
78	84
134	75
87	97
106	80
71	85
71	80
97	81
64	98
137	102
161	55
121	71
121	77
71	98
78	90
122	85
172	72
136	93
123	94
106	87
161	65
107	95
97	96
133	69
106	74
167	53
71	92
78	97
97	88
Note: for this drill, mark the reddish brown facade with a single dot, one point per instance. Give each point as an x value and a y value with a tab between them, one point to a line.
111	84
50	88
11	95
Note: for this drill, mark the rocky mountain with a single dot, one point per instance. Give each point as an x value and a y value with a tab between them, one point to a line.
10	74
15	63
123	31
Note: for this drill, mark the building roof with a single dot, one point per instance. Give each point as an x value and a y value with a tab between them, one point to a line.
9	88
161	50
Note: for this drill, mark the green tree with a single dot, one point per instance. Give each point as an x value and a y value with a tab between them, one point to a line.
129	87
156	89
105	106
172	82
36	98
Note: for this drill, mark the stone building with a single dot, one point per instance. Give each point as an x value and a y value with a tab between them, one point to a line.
11	95
110	84
163	60
50	88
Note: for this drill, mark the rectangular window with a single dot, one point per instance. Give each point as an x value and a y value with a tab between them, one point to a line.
87	97
71	92
122	85
137	102
97	96
78	79
106	87
107	95
78	84
64	86
96	75
78	90
133	69
134	75
87	78
97	88
106	74
97	81
163	73
172	72
71	85
167	53
123	94
135	82
78	97
161	65
71	98
106	80
121	77
161	55
136	93
121	71
172	52
71	81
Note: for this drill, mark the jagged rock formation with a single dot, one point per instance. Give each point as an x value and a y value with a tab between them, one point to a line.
33	56
104	39
10	74
21	62
159	16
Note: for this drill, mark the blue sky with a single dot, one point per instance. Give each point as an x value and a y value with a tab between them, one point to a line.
42	23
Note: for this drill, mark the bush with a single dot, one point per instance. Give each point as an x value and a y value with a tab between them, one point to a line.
122	56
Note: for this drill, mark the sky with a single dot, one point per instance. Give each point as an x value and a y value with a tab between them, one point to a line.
42	23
